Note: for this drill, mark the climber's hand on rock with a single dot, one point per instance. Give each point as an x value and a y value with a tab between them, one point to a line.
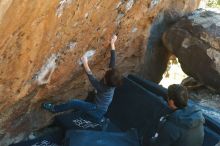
84	60
113	40
85	64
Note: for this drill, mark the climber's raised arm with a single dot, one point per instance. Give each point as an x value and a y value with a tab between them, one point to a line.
113	55
95	83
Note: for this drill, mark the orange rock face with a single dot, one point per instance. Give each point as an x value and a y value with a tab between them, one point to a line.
42	41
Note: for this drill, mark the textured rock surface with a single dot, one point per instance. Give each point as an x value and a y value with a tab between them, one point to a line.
195	40
42	40
156	55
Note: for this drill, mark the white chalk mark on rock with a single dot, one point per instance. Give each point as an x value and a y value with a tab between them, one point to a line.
89	54
75	24
154	3
134	29
86	15
62	5
129	5
71	45
43	76
119	17
118	5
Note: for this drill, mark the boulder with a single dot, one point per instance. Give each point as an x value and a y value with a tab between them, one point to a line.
156	54
195	40
42	41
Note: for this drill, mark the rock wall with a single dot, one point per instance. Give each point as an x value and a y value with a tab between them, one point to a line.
42	41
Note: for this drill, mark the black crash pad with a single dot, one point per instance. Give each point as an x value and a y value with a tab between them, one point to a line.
212	127
135	107
211	138
139	104
101	138
50	139
78	120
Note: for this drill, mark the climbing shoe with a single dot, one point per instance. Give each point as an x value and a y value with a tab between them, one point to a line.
48	106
